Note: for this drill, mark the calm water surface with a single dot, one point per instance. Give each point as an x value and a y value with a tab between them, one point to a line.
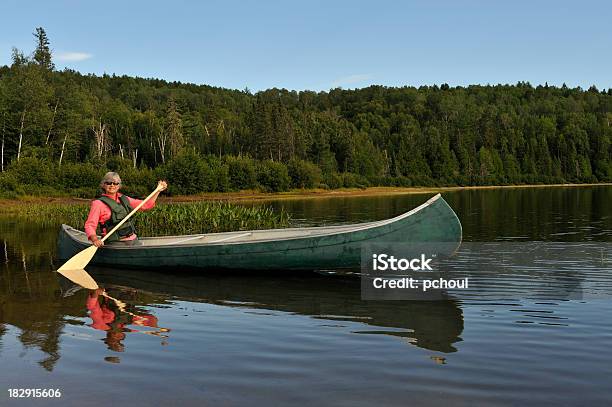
284	339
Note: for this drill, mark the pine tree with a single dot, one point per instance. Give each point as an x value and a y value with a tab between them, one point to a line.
42	53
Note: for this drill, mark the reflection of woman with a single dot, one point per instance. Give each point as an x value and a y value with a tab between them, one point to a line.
108	210
101	315
103	318
114	323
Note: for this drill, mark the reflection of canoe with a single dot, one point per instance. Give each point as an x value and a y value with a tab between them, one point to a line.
330	247
433	325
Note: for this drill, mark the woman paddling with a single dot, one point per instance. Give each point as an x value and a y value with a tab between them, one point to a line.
111	208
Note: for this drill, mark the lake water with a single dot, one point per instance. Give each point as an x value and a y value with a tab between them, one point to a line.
245	339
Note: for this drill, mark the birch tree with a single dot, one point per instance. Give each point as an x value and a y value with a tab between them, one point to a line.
28	94
102	140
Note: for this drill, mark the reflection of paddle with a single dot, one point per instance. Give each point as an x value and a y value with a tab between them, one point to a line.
123	308
120	304
73	269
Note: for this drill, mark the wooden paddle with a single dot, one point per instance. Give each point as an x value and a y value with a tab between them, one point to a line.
74	268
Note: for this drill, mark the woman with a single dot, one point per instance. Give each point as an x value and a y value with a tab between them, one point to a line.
108	210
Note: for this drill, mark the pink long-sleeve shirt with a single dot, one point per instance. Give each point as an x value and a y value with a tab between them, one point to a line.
100	213
101	317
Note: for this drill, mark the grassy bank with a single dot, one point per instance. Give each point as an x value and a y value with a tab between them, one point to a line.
346	192
254	195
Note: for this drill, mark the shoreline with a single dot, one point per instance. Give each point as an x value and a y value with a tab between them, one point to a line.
351	192
297	194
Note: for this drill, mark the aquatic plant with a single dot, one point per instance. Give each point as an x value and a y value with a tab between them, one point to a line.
166	219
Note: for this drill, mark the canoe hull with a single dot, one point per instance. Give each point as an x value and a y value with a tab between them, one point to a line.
433	221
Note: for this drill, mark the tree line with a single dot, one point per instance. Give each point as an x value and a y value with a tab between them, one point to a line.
431	135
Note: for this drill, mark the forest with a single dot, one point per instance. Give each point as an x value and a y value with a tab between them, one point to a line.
61	130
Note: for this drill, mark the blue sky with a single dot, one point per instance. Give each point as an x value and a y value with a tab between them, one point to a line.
319	45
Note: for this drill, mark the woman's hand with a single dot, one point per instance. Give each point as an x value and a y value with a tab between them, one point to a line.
97	242
162	185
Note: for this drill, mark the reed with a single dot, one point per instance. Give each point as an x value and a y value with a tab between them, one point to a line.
168	219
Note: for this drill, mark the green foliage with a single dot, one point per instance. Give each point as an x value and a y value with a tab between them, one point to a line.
219	174
32	171
9	186
74	176
367	160
42	53
207	217
242	173
138	182
273	176
172	219
350	180
303	174
402	182
333	180
187	174
118	164
174	128
49	214
419	136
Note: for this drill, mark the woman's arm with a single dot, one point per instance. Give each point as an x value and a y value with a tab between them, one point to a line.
91	224
151	202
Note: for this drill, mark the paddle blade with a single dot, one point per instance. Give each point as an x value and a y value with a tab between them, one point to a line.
80	277
79	260
74	268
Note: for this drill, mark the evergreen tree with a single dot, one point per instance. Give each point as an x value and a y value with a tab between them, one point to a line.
42	53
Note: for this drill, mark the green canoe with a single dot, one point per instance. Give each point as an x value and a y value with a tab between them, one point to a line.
313	248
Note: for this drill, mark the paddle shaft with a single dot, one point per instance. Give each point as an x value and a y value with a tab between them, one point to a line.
120	304
123	308
113	230
74	268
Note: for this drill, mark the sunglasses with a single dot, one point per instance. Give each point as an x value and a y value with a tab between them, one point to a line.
111	183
